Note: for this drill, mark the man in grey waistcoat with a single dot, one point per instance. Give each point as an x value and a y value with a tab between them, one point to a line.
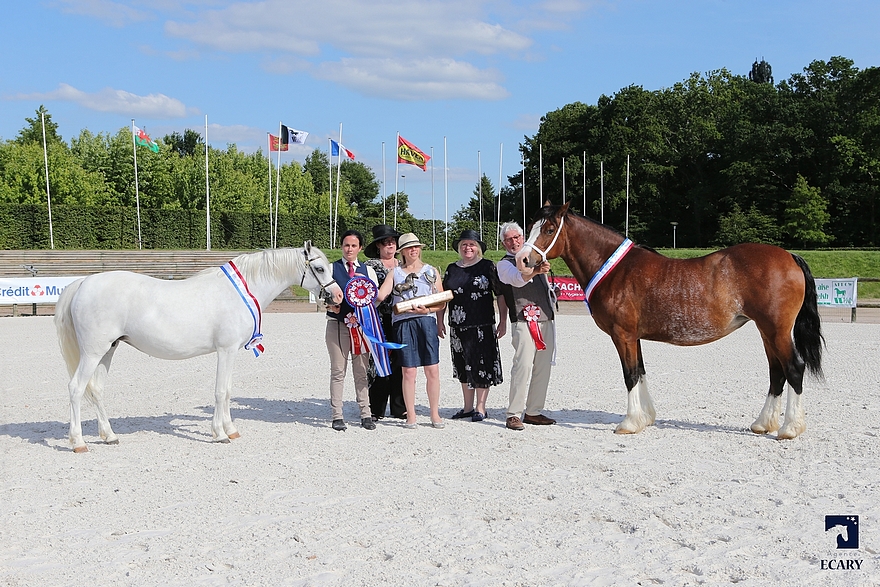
530	307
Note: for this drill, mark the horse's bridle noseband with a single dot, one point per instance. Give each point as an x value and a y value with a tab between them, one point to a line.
553	242
323	292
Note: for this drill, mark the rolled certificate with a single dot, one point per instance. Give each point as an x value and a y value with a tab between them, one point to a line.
429	301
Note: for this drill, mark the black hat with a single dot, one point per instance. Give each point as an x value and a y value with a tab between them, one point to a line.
469	235
380	233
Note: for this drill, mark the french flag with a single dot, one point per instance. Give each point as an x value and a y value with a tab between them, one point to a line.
335	148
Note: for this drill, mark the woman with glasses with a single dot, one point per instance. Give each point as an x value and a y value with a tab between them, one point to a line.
473	338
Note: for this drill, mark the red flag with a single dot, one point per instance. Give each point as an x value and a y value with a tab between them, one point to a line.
274	142
409	153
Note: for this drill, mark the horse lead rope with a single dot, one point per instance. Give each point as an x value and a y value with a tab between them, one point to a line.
238	282
606	268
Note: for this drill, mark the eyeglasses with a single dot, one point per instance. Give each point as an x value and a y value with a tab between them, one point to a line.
388	243
469	245
516	237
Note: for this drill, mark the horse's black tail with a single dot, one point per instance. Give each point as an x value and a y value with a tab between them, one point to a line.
808	339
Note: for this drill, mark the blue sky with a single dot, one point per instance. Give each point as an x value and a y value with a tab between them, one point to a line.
480	73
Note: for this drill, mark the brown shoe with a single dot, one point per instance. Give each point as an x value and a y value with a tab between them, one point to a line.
539	420
514	423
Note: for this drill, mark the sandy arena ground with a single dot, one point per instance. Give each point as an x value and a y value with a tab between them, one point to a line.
696	499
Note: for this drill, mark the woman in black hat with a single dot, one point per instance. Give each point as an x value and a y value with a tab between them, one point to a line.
473	338
381	254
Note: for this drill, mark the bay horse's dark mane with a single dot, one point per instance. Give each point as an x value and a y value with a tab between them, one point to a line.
549	211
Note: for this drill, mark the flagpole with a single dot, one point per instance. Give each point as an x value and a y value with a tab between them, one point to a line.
480	191
330	188
48	197
498	216
446	193
433	222
626	234
396	176
563	180
338	170
137	196
384	185
602	191
522	158
541	174
585	183
269	159
274	224
207	188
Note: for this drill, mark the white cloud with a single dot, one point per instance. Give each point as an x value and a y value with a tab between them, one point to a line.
360	28
414	79
414	50
112	13
117	101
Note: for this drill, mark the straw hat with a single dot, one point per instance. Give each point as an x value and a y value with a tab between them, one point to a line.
408	240
469	235
380	233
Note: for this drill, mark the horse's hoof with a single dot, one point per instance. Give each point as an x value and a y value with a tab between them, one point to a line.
235	435
222	441
114	441
788	433
80	449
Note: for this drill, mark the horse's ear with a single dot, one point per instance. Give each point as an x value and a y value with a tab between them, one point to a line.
564	210
307	246
547	203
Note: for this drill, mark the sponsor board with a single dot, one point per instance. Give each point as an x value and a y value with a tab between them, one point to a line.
569	289
33	290
837	293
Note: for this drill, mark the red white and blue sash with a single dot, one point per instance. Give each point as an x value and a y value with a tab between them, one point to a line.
238	282
360	292
603	271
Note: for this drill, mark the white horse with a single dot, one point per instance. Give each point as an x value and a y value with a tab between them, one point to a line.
216	310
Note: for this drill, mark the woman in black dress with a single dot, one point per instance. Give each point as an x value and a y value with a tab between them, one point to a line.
473	338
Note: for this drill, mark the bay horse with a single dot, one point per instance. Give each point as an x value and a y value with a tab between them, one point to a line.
635	294
217	310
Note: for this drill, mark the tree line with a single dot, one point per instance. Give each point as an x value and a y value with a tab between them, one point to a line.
98	170
729	158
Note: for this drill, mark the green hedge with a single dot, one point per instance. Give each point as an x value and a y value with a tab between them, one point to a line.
26	226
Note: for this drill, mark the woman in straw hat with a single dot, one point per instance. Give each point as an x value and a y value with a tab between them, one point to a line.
473	339
416	327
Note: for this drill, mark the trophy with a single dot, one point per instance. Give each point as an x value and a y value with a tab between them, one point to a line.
429	301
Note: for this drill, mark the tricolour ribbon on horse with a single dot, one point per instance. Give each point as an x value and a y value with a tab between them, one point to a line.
606	268
360	292
253	306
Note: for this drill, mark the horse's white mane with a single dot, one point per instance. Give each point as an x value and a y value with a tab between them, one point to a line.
269	264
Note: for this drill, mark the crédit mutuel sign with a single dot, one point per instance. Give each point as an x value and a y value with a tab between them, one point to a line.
33	290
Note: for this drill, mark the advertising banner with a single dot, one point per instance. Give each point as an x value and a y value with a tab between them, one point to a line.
569	289
32	290
837	293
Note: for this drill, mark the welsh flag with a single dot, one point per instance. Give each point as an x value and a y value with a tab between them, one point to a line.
409	153
141	138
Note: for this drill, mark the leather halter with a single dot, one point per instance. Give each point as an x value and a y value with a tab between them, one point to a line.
323	293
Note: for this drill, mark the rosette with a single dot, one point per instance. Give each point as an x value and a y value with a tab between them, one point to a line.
360	293
531	313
